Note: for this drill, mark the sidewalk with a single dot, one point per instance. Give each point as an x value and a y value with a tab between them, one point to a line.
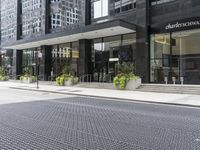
151	97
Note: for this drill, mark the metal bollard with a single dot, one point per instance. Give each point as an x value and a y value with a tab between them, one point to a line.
182	80
166	80
174	80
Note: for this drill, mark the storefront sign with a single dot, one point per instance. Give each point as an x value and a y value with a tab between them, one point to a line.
179	25
184	24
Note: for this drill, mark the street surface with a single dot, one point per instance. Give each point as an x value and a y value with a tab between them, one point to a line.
44	121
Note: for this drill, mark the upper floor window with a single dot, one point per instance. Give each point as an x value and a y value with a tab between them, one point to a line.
99	8
124	5
157	2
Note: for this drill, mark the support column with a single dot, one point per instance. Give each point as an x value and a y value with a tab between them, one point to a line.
143	40
17	63
45	62
19	19
85	65
88	12
47	16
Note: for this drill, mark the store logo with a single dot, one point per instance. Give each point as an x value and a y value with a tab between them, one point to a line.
178	25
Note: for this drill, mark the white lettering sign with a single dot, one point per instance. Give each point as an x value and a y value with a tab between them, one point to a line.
182	24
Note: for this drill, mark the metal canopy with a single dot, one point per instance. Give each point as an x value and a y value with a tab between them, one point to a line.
110	28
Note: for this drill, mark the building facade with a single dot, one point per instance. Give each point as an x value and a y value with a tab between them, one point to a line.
94	36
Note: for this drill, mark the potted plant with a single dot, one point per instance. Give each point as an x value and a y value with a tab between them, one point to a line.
3	74
67	78
28	77
126	79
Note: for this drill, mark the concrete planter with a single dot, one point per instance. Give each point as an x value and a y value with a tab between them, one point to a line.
69	83
4	78
29	80
133	84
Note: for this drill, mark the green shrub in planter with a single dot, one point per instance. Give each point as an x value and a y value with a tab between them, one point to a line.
4	78
28	78
121	80
61	80
3	74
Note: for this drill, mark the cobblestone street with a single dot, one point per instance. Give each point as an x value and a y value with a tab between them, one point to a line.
71	122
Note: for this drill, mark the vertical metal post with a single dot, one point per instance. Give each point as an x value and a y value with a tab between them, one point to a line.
37	68
170	58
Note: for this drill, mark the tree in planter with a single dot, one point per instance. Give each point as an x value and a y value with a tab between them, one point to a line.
28	75
127	68
67	76
126	73
3	74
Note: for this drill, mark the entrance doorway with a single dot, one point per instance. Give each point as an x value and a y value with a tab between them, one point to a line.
108	53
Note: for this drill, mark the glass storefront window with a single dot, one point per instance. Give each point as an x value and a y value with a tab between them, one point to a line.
178	58
119	6
157	2
108	53
6	60
65	54
75	57
160	52
29	60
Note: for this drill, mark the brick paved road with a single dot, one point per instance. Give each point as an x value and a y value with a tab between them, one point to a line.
87	123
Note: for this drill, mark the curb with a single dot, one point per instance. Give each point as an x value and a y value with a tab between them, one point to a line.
111	98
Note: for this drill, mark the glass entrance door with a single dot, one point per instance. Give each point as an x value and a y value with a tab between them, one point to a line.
113	68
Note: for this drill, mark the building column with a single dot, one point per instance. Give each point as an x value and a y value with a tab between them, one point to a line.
45	63
47	16
17	64
84	64
142	41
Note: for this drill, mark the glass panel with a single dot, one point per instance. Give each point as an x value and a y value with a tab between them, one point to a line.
182	61
60	57
75	57
187	51
160	57
108	53
65	13
97	9
105	8
6	60
175	57
29	60
127	52
118	6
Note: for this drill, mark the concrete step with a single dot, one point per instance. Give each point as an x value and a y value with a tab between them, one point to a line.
95	85
180	89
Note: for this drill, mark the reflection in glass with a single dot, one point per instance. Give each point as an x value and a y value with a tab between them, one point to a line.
160	52
108	53
29	60
181	59
65	54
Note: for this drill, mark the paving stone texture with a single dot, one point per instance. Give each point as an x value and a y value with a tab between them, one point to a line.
81	123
